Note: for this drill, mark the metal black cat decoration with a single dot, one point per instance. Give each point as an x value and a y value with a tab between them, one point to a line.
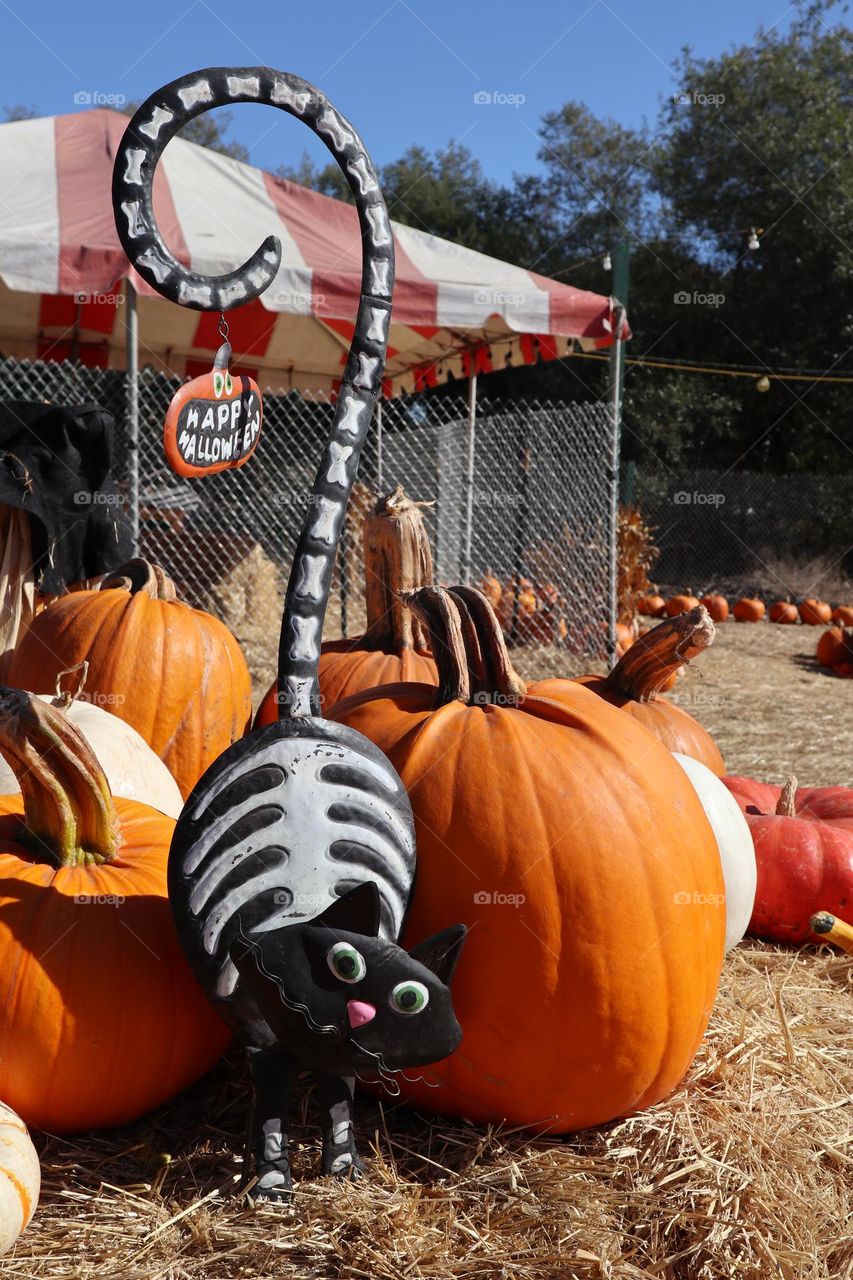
293	860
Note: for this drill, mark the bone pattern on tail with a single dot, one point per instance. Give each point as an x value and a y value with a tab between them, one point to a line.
153	125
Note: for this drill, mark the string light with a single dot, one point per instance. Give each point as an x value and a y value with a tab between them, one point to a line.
753	242
606	263
763	383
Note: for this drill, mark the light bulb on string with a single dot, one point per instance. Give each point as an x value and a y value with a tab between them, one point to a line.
753	242
606	263
763	383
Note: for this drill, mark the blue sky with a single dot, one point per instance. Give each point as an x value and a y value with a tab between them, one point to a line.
403	71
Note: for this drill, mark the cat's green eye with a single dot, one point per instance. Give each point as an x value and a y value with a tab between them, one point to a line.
218	383
345	962
229	385
409	997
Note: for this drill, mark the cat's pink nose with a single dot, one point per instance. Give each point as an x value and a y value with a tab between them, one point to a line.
360	1012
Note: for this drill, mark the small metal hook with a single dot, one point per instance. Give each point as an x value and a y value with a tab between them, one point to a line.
223	327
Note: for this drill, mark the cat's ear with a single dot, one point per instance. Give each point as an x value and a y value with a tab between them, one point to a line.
440	953
357	911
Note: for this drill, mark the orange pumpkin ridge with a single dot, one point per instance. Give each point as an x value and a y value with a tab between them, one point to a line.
815	613
100	1017
176	674
612	827
784	612
717	606
394	646
748	609
648	667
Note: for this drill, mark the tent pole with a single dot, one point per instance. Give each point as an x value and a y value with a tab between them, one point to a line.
379	446
469	480
131	412
621	282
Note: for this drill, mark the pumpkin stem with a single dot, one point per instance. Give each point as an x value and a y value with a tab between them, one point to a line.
786	806
644	669
831	929
141	575
468	646
63	698
397	558
435	609
69	813
496	680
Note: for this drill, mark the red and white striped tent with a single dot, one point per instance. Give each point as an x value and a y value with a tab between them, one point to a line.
455	311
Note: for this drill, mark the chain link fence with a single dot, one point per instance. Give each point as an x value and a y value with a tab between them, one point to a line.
765	533
528	504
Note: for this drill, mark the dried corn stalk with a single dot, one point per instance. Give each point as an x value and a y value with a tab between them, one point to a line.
635	555
17	583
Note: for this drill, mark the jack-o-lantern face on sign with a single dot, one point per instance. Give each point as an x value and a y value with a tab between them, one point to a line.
213	422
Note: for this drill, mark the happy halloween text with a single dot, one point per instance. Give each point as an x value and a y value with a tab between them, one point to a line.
222	432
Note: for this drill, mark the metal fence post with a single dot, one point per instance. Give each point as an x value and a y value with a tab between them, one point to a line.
613	476
379	446
131	416
469	480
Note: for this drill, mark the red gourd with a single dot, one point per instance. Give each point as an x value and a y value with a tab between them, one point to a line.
804	854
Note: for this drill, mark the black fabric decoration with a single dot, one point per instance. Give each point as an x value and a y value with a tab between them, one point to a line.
293	861
55	465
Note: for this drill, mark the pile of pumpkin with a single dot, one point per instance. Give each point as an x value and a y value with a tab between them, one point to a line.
834	648
583	829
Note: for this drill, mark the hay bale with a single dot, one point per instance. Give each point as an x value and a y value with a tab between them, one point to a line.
746	1171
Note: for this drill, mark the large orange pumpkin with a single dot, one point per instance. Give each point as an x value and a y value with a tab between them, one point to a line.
680	604
574	847
101	1018
748	609
397	557
784	613
835	647
648	667
175	673
842	615
815	613
652	606
717	606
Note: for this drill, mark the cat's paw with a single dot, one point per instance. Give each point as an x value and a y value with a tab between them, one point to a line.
273	1187
347	1164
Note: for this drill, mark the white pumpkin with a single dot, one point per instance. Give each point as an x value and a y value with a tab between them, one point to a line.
133	770
734	840
20	1177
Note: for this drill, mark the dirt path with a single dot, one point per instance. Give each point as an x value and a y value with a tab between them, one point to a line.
771	708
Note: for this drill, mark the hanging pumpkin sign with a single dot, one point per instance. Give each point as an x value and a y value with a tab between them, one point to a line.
213	422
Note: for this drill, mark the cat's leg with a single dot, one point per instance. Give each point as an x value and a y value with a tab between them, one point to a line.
340	1157
273	1077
